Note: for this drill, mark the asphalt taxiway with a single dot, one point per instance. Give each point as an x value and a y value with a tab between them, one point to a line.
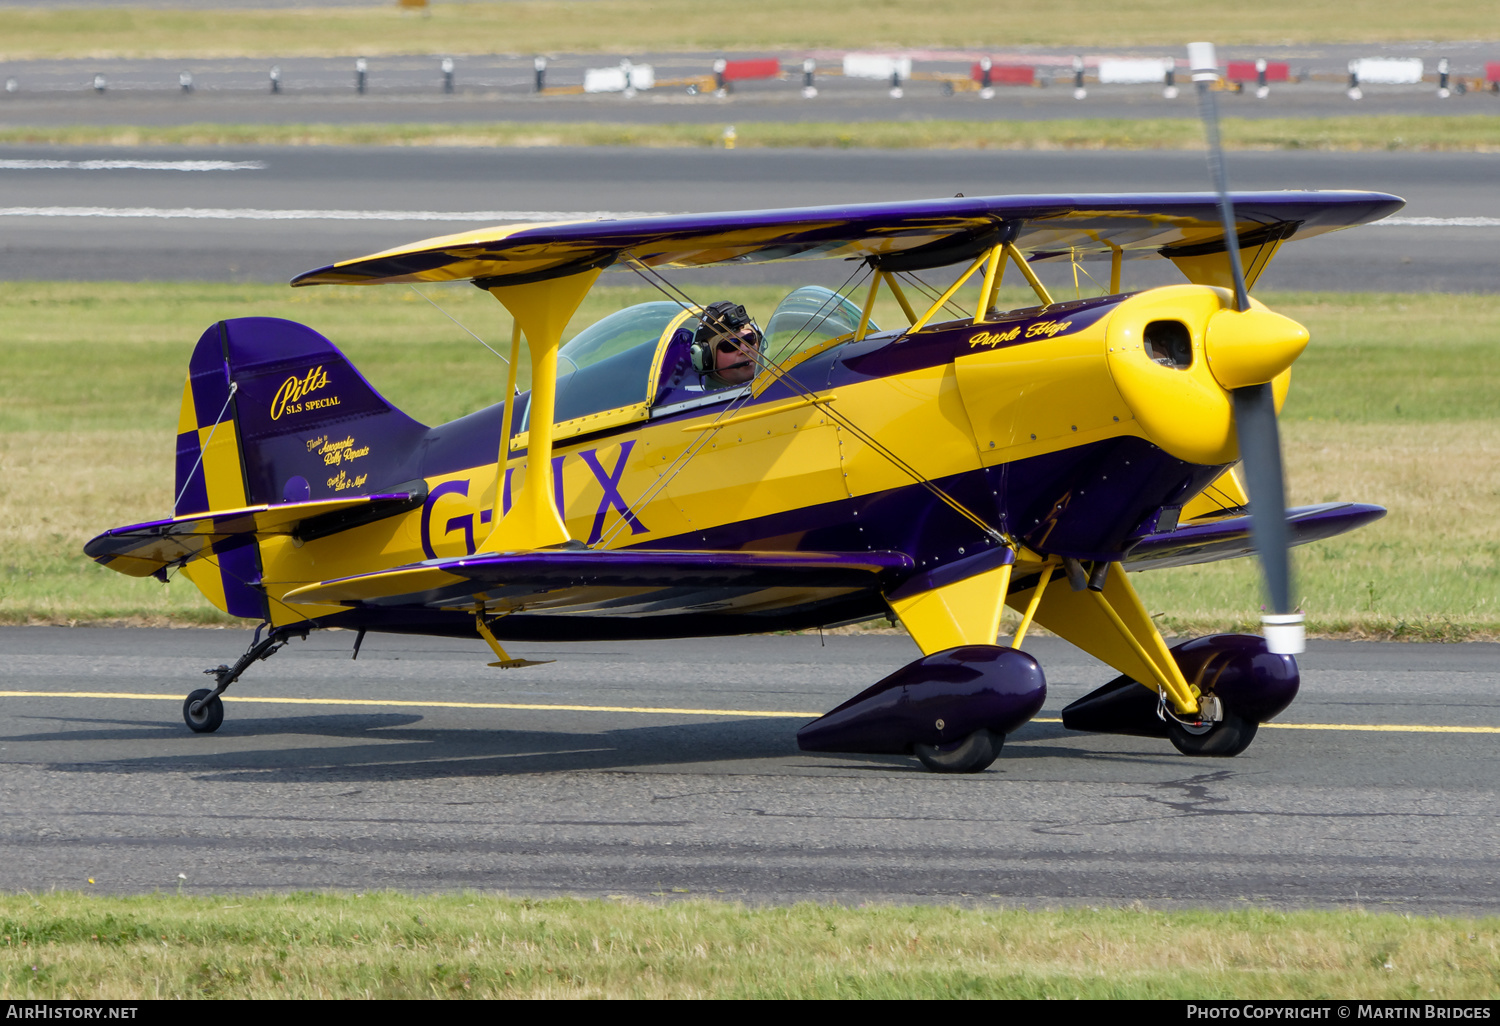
671	768
268	213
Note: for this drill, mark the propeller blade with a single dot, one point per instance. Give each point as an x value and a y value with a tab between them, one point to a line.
1260	456
1254	405
1205	68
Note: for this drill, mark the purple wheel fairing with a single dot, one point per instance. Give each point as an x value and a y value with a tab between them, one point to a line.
937	700
1251	682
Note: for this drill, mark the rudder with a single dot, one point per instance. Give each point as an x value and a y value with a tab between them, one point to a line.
273	412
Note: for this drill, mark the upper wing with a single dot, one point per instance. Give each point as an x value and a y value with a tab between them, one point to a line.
141	550
1208	539
625	582
908	236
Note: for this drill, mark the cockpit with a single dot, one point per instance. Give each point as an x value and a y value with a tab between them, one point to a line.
637	361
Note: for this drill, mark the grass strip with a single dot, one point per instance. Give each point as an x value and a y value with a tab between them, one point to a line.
626	26
1451	133
88	406
385	945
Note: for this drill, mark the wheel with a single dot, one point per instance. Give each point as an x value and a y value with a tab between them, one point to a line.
971	755
1228	737
207	719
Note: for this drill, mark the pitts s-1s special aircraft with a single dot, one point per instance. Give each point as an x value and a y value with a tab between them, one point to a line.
933	472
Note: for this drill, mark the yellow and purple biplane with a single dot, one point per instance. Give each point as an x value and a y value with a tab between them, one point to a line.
933	472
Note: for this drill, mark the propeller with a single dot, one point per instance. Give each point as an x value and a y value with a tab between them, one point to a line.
1255	403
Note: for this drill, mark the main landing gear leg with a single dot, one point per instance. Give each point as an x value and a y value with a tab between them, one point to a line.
203	711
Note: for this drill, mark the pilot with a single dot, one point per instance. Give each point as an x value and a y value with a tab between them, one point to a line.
726	348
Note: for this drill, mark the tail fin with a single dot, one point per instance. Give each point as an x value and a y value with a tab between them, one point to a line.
273	412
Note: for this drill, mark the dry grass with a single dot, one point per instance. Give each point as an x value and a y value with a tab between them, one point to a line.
1452	133
59	487
387	945
1429	571
630	26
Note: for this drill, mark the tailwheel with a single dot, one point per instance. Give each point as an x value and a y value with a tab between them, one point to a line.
972	754
210	713
1222	738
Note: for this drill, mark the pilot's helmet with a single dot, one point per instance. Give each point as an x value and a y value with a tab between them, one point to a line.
721	324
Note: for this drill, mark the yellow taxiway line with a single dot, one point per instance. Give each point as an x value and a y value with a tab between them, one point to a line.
1390	728
399	703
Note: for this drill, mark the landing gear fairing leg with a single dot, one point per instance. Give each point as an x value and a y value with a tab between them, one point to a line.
953	707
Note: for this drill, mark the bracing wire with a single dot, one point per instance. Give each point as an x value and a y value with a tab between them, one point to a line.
927	291
816	317
234	386
934	294
670	472
1079	267
208	557
461	325
889	456
1103	289
781	375
682	299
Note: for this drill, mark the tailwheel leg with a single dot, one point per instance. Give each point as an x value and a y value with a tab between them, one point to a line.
203	710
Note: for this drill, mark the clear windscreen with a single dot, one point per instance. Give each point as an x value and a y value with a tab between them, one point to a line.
608	364
808	317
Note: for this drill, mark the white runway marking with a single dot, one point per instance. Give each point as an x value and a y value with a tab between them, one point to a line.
132	165
254	214
1437	222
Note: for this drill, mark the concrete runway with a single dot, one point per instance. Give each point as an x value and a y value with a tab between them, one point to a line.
547	800
210	225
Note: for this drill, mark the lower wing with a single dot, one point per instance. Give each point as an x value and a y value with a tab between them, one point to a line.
621	582
1206	540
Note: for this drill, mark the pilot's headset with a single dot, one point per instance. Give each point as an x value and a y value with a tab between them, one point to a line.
720	321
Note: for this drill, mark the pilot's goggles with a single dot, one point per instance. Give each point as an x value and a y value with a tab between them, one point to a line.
732	342
746	336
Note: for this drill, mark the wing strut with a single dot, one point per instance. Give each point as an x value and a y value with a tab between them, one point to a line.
542	310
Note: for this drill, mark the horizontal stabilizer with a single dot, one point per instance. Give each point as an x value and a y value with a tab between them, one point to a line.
630	582
142	550
1206	540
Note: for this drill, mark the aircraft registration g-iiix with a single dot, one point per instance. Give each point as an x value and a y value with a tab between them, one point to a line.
934	472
